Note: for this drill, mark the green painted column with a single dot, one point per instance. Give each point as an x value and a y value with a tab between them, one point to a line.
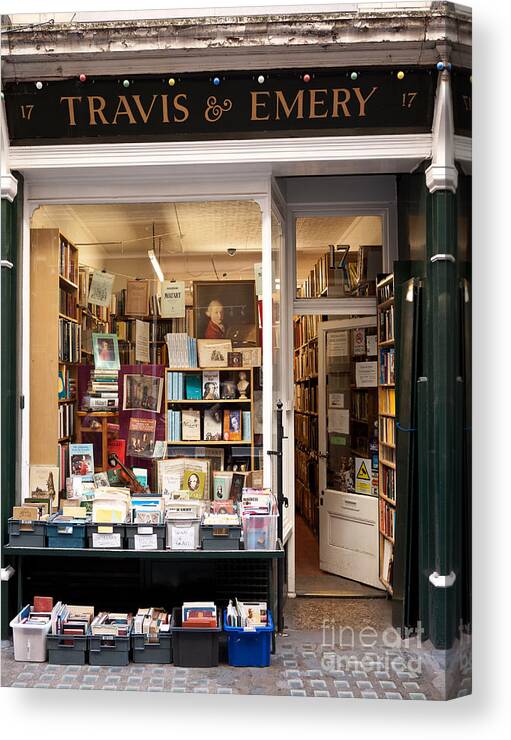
10	215
441	438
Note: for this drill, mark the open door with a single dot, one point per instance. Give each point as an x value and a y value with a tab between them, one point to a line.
348	449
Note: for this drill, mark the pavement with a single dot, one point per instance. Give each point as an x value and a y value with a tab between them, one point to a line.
337	648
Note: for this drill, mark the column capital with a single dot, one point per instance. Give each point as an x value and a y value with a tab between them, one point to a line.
442	173
9	186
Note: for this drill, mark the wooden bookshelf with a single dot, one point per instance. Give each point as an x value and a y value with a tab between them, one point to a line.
201	404
386	428
54	347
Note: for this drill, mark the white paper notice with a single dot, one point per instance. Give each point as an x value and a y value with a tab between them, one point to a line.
336	400
258	275
337	344
141	341
359	341
339	421
183	538
100	291
146	542
173	299
366	374
106	540
371	344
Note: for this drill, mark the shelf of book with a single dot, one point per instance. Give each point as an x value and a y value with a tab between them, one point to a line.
194	407
386	428
53	370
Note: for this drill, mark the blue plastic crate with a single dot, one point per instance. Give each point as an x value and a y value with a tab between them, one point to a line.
72	534
249	646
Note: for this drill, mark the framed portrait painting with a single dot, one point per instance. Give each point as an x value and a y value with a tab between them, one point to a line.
106	351
226	310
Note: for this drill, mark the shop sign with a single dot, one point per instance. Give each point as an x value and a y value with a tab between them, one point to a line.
332	102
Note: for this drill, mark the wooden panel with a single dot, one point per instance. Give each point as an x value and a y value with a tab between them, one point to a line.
44	309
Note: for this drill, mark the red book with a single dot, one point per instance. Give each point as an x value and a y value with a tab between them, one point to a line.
118	447
43	603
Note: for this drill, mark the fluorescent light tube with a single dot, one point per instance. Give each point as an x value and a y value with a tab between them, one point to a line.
156	265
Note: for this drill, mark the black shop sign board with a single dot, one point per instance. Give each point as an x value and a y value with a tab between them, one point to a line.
242	105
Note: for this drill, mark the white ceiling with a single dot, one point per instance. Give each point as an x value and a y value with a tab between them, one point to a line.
117	236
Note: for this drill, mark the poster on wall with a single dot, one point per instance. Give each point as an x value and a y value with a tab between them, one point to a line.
366	374
142	393
359	341
337	344
173	299
137	298
142	341
101	286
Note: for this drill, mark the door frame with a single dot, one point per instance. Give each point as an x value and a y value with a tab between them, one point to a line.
363	322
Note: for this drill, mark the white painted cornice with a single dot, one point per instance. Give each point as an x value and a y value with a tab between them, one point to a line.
9	186
442	173
8	183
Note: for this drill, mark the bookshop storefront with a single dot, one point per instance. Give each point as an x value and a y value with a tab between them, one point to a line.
191	250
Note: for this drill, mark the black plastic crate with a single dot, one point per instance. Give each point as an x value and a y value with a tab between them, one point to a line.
100	535
152	652
220	537
107	650
27	533
143	536
194	647
67	649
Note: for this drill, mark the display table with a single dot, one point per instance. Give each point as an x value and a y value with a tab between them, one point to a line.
173	573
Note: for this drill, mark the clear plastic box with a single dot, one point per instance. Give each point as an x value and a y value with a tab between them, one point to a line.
29	639
260	531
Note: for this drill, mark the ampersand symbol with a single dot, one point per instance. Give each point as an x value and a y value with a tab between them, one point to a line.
214	111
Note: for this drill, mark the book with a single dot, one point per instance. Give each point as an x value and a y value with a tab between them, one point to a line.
213	424
213	352
194	482
44	483
118	447
190	425
222	482
246	426
81	461
193	386
232	425
43	603
211	385
141	436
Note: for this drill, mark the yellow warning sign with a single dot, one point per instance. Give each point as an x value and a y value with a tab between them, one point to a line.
362	472
363	475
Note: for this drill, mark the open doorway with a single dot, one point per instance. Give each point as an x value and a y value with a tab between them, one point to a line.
336	408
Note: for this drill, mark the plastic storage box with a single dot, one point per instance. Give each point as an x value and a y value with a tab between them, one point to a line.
27	534
249	646
29	639
194	647
152	652
220	537
106	536
260	531
182	532
67	649
106	650
72	534
145	536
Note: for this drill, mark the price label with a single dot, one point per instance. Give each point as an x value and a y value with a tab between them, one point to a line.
106	540
146	541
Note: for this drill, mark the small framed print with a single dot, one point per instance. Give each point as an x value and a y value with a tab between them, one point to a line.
106	351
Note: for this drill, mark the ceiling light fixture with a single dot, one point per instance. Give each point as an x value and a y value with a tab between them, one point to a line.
156	265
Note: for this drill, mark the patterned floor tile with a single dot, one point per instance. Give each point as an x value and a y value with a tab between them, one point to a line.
369	695
297	692
393	695
345	694
417	696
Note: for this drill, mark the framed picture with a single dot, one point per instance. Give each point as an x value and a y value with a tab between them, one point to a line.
106	351
213	352
226	310
142	393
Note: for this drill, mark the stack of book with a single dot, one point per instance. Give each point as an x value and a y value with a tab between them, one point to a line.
112	624
247	613
71	620
257	501
150	622
102	391
199	614
182	350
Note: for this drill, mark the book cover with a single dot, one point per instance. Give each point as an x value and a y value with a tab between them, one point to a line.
193	386
222	481
194	481
118	447
44	483
213	424
141	437
190	425
81	461
211	385
232	425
